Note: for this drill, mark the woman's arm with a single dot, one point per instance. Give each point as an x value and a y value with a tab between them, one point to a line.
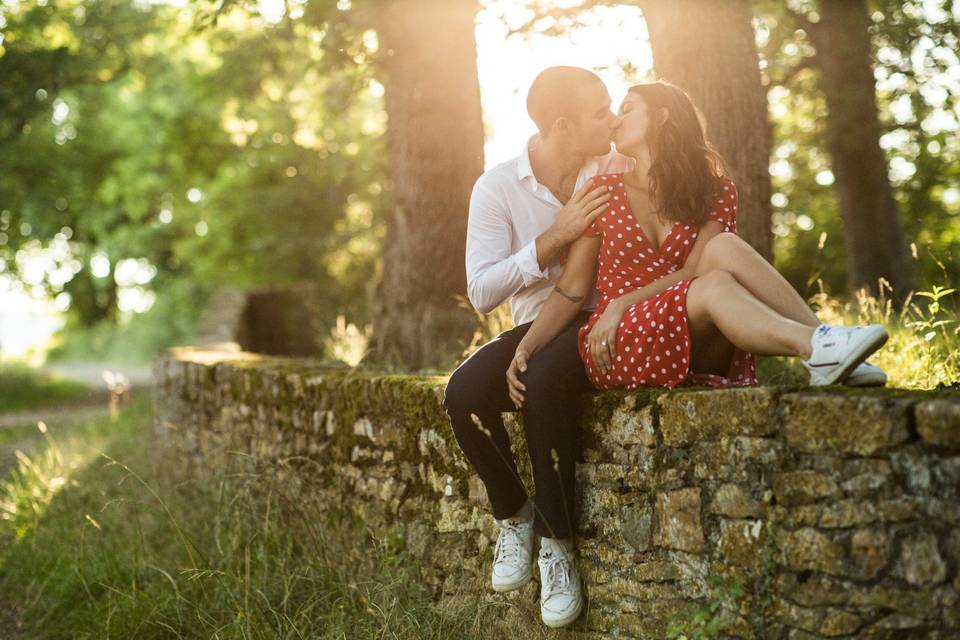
559	310
602	340
567	297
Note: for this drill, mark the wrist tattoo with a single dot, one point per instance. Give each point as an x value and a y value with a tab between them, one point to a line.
567	295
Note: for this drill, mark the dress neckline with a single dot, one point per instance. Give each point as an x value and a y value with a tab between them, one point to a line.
640	232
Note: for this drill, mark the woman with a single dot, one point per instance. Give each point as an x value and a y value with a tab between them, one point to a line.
684	299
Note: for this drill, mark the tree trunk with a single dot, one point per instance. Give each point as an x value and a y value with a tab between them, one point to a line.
435	151
707	48
873	233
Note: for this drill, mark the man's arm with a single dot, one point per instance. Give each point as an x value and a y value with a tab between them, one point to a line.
494	274
549	244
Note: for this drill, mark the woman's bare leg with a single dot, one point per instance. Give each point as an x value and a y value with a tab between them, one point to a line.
729	252
718	299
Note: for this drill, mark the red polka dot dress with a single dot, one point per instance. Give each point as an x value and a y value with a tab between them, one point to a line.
653	339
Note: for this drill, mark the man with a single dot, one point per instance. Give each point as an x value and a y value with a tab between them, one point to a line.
523	214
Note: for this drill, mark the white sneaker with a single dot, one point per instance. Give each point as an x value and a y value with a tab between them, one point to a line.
513	555
838	350
866	375
561	599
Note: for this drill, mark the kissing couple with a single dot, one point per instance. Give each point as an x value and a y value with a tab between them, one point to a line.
623	270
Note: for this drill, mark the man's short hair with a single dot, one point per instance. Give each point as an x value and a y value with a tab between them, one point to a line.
559	92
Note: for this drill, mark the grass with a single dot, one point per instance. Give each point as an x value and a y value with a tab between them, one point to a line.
923	351
23	387
16	433
103	537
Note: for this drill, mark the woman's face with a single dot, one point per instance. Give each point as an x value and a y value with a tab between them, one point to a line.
635	124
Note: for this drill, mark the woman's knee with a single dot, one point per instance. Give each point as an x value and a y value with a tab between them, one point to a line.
706	289
719	251
716	280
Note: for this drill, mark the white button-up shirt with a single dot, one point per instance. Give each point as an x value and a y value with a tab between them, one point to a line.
509	209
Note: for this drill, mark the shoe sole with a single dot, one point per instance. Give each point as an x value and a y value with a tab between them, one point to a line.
569	619
505	588
866	380
875	339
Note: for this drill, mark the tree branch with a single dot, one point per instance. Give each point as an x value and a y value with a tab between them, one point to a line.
559	14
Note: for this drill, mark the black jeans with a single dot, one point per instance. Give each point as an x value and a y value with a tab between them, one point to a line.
555	382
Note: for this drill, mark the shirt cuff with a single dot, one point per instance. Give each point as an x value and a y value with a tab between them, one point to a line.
526	261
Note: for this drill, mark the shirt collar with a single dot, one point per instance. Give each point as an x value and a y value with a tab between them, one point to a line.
525	168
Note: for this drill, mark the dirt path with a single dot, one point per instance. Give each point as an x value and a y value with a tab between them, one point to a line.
92	404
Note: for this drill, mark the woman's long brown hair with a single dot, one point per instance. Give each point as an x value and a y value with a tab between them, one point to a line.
686	171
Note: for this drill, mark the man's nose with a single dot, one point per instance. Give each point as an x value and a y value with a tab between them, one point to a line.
614	120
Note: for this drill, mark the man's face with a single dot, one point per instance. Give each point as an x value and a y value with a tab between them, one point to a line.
592	132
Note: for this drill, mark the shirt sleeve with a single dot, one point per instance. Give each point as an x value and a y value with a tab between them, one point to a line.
494	273
725	208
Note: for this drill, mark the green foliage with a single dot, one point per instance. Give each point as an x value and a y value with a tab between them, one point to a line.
923	351
915	48
241	154
24	387
135	339
704	621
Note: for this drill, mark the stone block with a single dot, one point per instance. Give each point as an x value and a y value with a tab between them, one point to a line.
631	425
809	549
839	623
678	516
743	543
869	553
847	513
693	416
656	571
938	422
812	590
637	528
920	602
734	459
802	487
858	425
922	564
733	501
796	616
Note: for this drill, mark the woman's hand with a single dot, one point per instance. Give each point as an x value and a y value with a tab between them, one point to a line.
517	366
603	337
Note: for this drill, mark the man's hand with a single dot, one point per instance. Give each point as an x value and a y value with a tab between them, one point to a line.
517	366
603	337
579	213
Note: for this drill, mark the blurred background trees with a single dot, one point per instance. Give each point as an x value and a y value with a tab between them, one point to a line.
152	153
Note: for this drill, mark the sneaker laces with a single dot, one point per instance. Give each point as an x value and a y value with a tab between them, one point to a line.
834	333
557	569
508	544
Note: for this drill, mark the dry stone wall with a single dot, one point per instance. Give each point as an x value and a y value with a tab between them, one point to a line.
782	513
